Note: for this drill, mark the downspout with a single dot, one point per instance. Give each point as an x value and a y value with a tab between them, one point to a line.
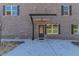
32	27
0	28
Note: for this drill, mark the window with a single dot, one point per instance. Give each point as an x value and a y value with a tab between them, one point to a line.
75	29
52	28
12	10
66	10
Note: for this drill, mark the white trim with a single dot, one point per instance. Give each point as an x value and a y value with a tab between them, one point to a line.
11	10
53	29
38	31
68	11
77	29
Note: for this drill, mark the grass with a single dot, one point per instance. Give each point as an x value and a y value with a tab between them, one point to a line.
7	46
8	36
13	36
76	43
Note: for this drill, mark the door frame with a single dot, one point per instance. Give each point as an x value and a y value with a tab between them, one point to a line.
38	31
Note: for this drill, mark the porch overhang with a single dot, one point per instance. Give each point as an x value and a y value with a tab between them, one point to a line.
42	14
31	17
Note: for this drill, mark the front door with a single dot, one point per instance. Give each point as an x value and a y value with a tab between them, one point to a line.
41	30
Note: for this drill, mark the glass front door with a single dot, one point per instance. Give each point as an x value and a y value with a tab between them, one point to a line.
41	30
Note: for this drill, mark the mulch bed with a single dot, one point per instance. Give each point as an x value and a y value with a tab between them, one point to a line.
8	46
76	43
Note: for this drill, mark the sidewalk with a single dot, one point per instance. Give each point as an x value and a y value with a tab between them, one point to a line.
45	48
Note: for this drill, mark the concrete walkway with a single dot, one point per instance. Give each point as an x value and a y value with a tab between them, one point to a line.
45	48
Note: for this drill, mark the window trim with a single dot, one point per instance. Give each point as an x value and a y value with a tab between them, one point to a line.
69	10
75	29
53	29
5	11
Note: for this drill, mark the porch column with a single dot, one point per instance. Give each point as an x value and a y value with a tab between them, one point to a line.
32	27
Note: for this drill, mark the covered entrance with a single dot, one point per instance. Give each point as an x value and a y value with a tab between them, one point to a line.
40	21
40	28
